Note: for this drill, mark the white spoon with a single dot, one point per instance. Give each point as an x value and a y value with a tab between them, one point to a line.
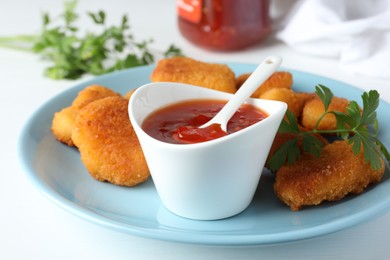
258	77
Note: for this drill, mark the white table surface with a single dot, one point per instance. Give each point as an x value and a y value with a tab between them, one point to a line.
32	227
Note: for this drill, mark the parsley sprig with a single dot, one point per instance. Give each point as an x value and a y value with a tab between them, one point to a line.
72	55
358	126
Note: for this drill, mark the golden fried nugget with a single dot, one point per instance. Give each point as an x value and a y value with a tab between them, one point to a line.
92	93
279	79
295	101
62	125
330	177
129	93
185	70
314	108
63	121
108	145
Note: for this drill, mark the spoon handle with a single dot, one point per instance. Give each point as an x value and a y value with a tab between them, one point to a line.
258	77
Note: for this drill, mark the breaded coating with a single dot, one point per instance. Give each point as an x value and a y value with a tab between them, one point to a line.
295	101
63	121
279	79
108	145
314	108
330	177
185	70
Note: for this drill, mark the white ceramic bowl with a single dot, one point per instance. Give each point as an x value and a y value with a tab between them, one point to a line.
210	180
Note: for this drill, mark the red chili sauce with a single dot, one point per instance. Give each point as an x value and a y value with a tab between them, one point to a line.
178	123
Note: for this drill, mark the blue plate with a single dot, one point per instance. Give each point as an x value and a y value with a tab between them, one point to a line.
56	170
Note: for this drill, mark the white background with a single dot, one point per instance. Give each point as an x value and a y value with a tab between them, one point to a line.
32	227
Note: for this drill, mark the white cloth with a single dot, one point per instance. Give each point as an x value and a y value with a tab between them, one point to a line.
357	32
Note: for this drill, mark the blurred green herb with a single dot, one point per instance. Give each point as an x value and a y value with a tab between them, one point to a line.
359	127
72	56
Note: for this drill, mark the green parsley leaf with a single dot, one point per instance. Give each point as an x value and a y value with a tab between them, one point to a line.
72	55
325	94
358	126
312	145
289	124
98	18
289	152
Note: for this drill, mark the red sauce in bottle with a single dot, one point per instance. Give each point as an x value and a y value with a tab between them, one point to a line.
224	25
178	123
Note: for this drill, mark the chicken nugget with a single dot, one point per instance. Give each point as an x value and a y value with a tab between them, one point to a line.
336	173
108	145
185	70
62	125
63	121
129	93
92	93
279	79
295	101
314	108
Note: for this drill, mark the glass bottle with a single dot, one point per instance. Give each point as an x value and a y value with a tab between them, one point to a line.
224	25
